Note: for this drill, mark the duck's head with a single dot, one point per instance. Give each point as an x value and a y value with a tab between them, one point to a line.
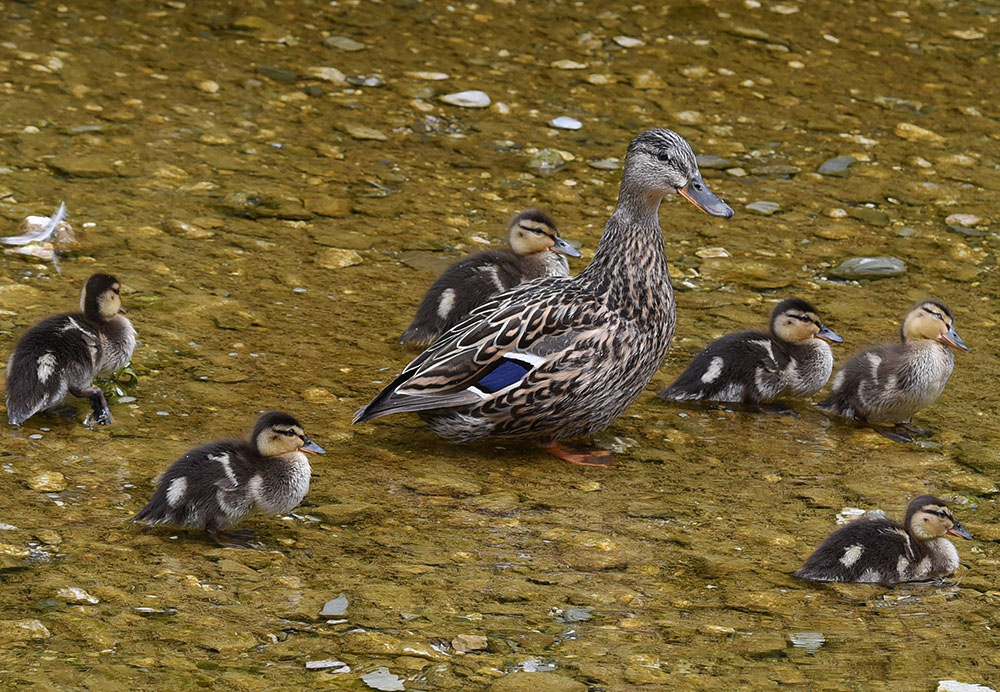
661	162
795	320
101	299
277	433
532	231
928	518
932	320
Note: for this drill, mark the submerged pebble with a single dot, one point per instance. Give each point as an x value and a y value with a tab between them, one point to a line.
76	596
564	122
810	641
956	686
328	664
764	208
20	631
468	99
837	166
869	268
382	679
335	606
48	482
546	162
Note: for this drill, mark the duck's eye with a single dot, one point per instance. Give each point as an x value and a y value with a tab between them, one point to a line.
663	157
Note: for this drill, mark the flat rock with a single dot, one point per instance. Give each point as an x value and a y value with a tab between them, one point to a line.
332	207
21	631
763	207
344	512
48	482
442	483
956	686
337	258
712	162
94	166
469	642
363	132
872	217
533	682
76	596
467	99
568	65
869	268
545	162
837	166
915	133
327	74
343	43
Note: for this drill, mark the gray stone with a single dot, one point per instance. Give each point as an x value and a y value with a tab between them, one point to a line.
837	166
343	43
763	208
870	268
278	74
713	162
546	162
335	606
872	217
612	164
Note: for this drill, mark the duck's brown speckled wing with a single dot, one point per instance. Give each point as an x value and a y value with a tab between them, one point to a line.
526	331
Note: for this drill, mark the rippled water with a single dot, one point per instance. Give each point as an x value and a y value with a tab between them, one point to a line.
225	187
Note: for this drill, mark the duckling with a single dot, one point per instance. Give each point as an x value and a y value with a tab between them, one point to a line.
752	367
536	249
215	486
881	551
888	384
62	354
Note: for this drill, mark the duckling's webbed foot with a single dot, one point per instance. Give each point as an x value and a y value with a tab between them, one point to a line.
897	433
585	457
775	407
233	539
914	431
100	413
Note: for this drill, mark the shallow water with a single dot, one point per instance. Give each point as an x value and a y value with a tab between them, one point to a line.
224	194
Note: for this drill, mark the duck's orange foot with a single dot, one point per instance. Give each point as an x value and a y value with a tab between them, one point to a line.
601	457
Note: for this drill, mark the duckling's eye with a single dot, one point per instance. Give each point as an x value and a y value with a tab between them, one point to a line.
288	433
538	231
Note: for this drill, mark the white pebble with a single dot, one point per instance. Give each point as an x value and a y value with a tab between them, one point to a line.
468	99
564	122
627	41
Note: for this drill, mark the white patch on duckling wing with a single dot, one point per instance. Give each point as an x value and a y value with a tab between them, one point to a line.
870	576
766	345
446	303
494	276
714	370
852	554
873	362
46	366
223	460
902	566
176	491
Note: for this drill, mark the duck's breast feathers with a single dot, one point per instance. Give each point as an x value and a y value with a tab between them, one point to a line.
501	344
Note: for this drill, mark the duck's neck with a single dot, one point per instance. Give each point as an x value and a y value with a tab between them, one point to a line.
629	269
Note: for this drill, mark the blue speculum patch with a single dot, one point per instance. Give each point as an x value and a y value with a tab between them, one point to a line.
504	375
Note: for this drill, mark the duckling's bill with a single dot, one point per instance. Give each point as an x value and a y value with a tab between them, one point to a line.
561	246
959	530
951	338
311	447
697	193
827	334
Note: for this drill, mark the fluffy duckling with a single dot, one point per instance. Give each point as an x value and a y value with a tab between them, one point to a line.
753	367
215	486
881	551
62	354
888	384
536	249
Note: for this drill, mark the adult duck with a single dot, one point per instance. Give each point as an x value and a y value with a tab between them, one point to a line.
559	358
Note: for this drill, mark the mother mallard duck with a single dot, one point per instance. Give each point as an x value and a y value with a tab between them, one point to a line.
559	358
